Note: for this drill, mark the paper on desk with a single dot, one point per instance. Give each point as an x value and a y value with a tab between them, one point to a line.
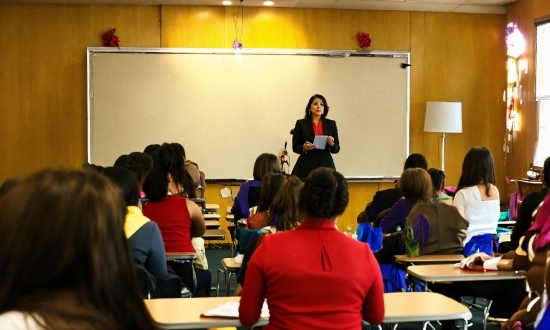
320	141
231	309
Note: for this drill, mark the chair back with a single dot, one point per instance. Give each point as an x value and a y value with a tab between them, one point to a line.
254	196
243	236
146	282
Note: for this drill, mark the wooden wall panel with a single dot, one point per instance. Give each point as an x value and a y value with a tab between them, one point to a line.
43	77
524	13
193	26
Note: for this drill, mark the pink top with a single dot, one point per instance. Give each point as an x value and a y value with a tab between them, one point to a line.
174	220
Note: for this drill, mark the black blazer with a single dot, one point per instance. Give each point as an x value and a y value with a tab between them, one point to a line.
308	161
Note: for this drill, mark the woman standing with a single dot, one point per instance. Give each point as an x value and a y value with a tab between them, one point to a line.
478	201
303	272
314	124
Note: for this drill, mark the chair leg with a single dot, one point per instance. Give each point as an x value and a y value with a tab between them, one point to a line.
228	282
218	281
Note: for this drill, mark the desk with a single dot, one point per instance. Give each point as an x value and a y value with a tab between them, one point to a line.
211	208
430	259
450	273
231	267
178	313
211	216
212	224
507	223
181	256
211	234
423	306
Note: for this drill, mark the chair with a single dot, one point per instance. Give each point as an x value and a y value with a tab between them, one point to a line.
254	196
146	282
231	267
242	237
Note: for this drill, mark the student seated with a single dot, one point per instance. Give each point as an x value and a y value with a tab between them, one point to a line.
265	163
439	227
64	258
178	218
384	199
271	183
531	256
307	278
478	201
528	205
416	186
283	215
144	235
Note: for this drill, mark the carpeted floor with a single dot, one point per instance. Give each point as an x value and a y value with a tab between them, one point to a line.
215	257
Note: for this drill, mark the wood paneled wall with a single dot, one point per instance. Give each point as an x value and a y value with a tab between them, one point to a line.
524	13
455	57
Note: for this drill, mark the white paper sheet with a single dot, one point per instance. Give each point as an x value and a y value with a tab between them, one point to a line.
320	141
231	310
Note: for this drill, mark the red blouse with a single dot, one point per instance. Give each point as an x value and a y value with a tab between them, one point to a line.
318	129
174	220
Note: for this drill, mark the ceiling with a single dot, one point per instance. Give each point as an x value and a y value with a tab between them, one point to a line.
456	6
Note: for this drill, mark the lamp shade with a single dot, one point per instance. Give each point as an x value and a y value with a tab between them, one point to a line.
443	117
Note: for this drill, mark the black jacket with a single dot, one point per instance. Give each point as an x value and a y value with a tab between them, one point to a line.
308	161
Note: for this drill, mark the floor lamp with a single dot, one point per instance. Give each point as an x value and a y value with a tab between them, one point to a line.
443	117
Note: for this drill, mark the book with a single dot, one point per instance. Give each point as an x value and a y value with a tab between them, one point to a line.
231	310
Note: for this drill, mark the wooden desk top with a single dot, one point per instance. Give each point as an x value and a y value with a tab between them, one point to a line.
212	224
448	272
211	216
214	234
211	207
231	264
506	223
433	258
180	313
181	255
422	306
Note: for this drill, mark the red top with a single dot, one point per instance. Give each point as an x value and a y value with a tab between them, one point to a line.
318	129
315	278
174	222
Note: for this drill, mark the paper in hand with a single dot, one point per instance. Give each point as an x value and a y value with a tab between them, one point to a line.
320	141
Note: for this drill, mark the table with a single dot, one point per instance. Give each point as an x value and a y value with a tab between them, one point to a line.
423	306
211	234
178	313
212	224
211	208
211	216
430	259
450	273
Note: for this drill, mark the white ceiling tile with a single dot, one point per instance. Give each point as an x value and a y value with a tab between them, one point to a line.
403	6
481	9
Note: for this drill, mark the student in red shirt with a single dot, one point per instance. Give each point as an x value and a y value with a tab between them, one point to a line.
314	277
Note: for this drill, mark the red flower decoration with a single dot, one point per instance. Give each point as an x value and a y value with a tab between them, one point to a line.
364	39
110	39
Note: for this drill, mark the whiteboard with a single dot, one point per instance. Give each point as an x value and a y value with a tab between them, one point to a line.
227	109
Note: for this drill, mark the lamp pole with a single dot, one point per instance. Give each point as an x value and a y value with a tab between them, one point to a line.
443	151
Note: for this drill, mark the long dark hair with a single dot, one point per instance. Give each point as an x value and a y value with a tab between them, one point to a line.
76	218
308	106
271	183
285	205
478	167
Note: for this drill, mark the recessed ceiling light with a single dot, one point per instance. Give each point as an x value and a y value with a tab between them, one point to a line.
268	3
227	3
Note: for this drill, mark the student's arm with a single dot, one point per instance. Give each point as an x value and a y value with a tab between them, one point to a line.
373	307
198	227
156	259
253	293
459	202
393	219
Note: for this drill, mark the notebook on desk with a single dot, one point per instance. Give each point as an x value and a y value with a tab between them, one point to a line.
231	310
